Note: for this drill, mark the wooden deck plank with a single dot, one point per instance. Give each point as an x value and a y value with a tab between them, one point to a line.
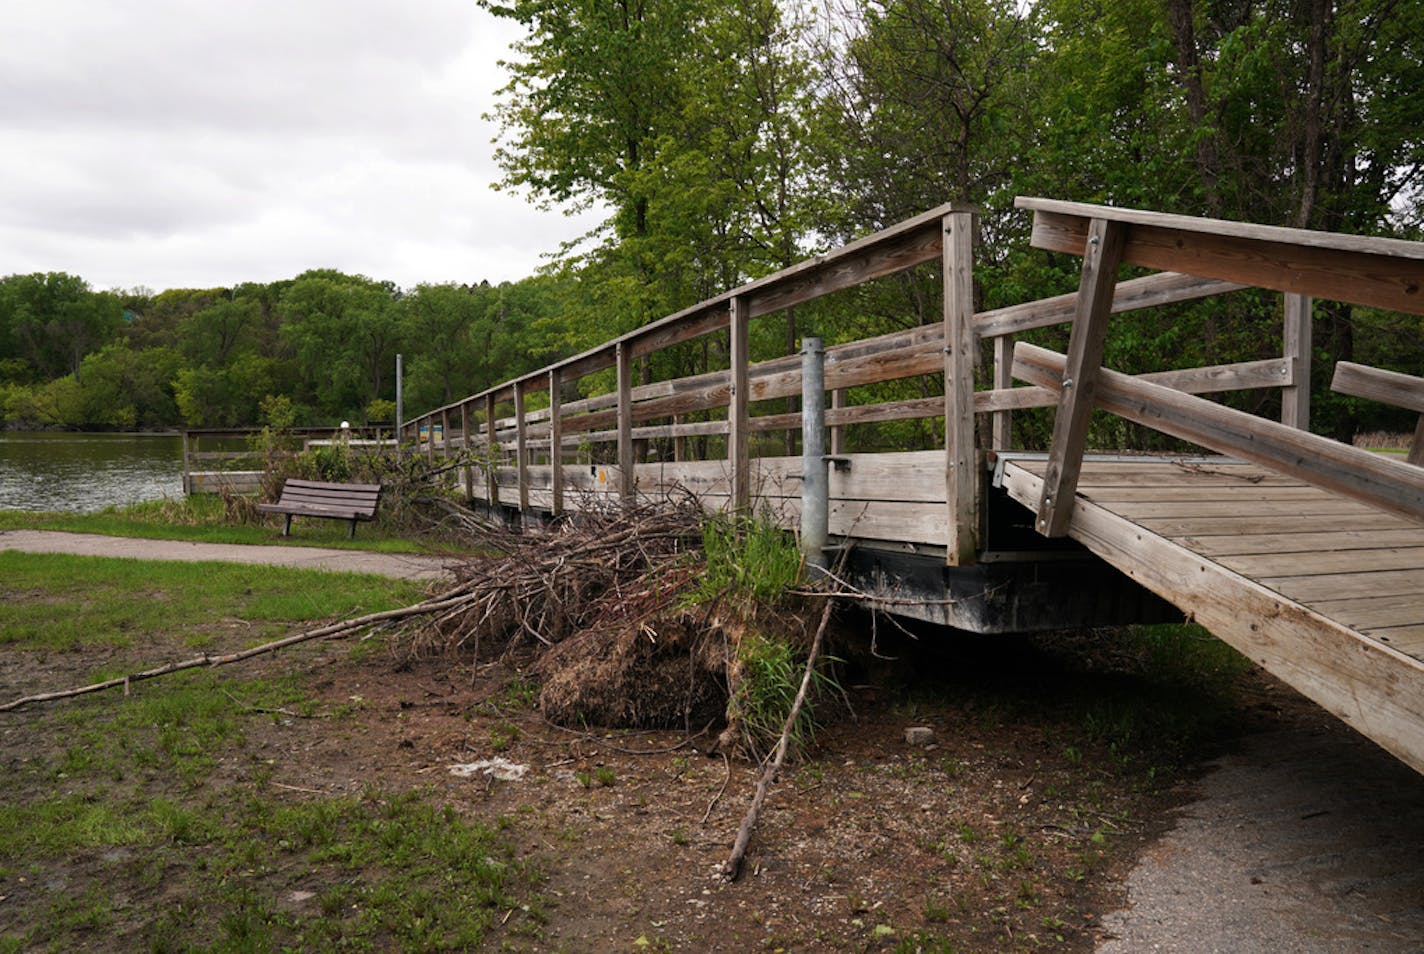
1181	492
1371	613
1179	527
1318	562
1373	687
1407	639
1302	540
1288	510
1349	585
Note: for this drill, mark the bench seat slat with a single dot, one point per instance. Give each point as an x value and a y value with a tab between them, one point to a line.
335	501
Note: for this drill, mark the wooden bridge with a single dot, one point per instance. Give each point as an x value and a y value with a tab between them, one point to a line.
1305	554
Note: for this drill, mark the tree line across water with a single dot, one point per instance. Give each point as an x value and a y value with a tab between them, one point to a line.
730	138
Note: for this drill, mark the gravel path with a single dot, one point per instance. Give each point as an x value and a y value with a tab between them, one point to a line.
400	565
1309	839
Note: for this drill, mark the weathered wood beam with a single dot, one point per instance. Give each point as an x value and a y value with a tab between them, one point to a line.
1383	273
1390	485
556	440
521	450
1002	434
738	434
1387	387
626	479
1151	291
962	471
468	449
1377	384
1102	254
492	449
1295	399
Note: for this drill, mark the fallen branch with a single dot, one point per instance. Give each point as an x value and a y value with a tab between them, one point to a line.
341	628
770	768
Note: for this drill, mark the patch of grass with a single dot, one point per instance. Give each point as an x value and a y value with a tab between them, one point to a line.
204	518
62	602
396	870
749	560
771	676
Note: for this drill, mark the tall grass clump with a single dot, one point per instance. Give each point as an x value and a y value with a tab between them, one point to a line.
749	560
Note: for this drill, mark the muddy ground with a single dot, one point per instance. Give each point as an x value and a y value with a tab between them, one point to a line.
1013	829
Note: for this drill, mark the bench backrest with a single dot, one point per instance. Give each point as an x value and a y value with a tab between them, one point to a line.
362	497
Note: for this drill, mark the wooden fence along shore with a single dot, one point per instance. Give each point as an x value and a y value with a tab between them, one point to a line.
1305	554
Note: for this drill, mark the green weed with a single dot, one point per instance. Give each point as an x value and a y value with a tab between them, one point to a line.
749	560
771	677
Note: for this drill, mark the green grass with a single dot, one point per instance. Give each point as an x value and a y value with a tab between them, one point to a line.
152	821
203	518
62	602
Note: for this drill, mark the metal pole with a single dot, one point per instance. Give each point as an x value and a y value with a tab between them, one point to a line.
815	481
400	403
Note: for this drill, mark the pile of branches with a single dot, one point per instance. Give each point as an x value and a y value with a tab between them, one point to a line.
609	611
604	569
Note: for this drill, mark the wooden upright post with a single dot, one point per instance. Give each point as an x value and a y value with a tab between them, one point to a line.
521	448
467	448
492	451
1101	257
556	442
961	456
626	479
1295	397
838	396
739	410
187	465
1003	378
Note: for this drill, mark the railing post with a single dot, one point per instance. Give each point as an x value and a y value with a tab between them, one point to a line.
491	451
1295	397
521	455
187	466
1003	379
1101	256
837	430
739	410
815	484
465	447
962	472
627	482
556	443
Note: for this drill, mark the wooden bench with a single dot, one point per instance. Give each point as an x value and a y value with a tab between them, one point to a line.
315	498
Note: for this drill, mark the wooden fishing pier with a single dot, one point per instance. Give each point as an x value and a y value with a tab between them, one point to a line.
1305	554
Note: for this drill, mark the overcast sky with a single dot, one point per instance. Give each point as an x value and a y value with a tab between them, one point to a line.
198	143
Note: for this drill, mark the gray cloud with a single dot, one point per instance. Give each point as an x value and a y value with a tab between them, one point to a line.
190	142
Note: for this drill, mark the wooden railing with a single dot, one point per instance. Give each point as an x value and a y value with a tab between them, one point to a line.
1385	273
528	451
228	459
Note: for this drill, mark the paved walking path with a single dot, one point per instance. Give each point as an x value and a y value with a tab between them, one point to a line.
401	565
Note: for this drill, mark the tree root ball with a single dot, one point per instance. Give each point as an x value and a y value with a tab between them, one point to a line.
666	672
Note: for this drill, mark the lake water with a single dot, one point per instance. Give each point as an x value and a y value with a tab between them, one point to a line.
85	472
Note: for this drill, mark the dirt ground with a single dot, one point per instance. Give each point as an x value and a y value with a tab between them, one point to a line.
1012	829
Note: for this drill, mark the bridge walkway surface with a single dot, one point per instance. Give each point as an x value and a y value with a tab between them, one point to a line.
1324	592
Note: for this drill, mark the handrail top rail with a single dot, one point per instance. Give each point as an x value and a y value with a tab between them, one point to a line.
593	358
1226	228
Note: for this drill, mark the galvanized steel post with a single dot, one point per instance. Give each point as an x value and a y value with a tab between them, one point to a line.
815	482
